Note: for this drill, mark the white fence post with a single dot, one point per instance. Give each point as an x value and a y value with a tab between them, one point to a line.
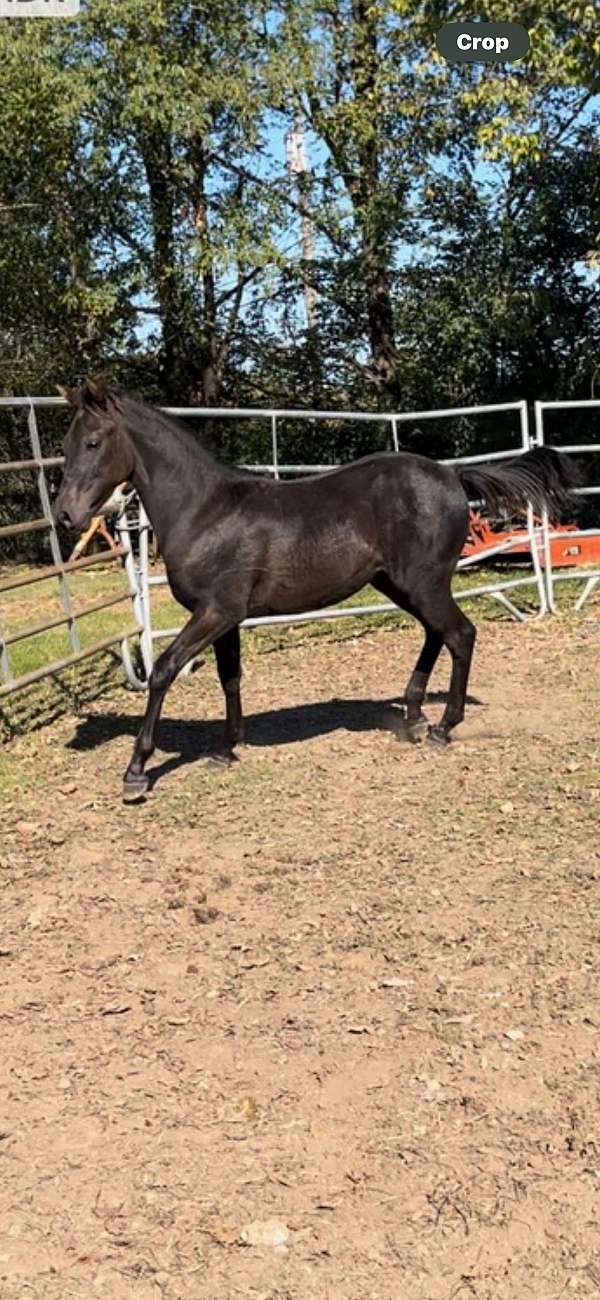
592	490
60	569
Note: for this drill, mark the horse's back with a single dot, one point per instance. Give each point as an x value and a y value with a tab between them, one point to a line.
384	490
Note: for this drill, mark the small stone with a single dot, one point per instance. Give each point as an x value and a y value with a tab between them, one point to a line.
266	1232
35	917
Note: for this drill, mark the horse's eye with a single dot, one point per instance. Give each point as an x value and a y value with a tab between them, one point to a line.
92	444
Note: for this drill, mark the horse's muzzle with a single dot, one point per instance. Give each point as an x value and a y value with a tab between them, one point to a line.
64	518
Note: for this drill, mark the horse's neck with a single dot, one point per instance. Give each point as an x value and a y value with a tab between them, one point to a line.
171	475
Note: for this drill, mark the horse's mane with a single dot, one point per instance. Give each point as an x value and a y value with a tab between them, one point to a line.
157	422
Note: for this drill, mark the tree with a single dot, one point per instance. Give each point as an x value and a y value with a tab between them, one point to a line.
59	297
513	110
351	68
173	99
504	303
149	227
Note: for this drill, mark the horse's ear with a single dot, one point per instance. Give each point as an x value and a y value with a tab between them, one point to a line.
95	392
71	395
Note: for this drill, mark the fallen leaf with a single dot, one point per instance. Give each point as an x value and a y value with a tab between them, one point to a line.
246	1110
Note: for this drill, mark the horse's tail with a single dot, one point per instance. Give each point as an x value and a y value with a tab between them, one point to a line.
543	477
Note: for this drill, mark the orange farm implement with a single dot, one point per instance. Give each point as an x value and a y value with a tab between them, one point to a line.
566	550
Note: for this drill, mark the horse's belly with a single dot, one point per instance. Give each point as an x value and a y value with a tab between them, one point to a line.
302	589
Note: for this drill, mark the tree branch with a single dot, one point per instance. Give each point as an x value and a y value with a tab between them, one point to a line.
223	346
232	293
244	172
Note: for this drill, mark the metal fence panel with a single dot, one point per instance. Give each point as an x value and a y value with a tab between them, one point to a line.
59	569
570	449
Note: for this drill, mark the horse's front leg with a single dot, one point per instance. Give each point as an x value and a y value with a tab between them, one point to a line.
228	655
199	632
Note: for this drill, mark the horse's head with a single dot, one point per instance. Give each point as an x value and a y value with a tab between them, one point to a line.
98	453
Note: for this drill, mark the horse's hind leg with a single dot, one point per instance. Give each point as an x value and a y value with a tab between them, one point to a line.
459	636
228	656
432	603
437	609
416	721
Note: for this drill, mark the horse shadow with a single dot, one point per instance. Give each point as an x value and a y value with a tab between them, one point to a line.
190	740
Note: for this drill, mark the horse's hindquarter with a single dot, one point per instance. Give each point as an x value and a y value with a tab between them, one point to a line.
422	515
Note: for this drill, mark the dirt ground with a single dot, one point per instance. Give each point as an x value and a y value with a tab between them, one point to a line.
346	991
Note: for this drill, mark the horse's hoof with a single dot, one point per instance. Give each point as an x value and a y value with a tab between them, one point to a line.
417	731
135	789
437	737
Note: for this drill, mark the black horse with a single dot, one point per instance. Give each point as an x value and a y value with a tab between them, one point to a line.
236	545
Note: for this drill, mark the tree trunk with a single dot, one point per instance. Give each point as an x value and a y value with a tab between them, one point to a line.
381	323
210	359
364	188
156	151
